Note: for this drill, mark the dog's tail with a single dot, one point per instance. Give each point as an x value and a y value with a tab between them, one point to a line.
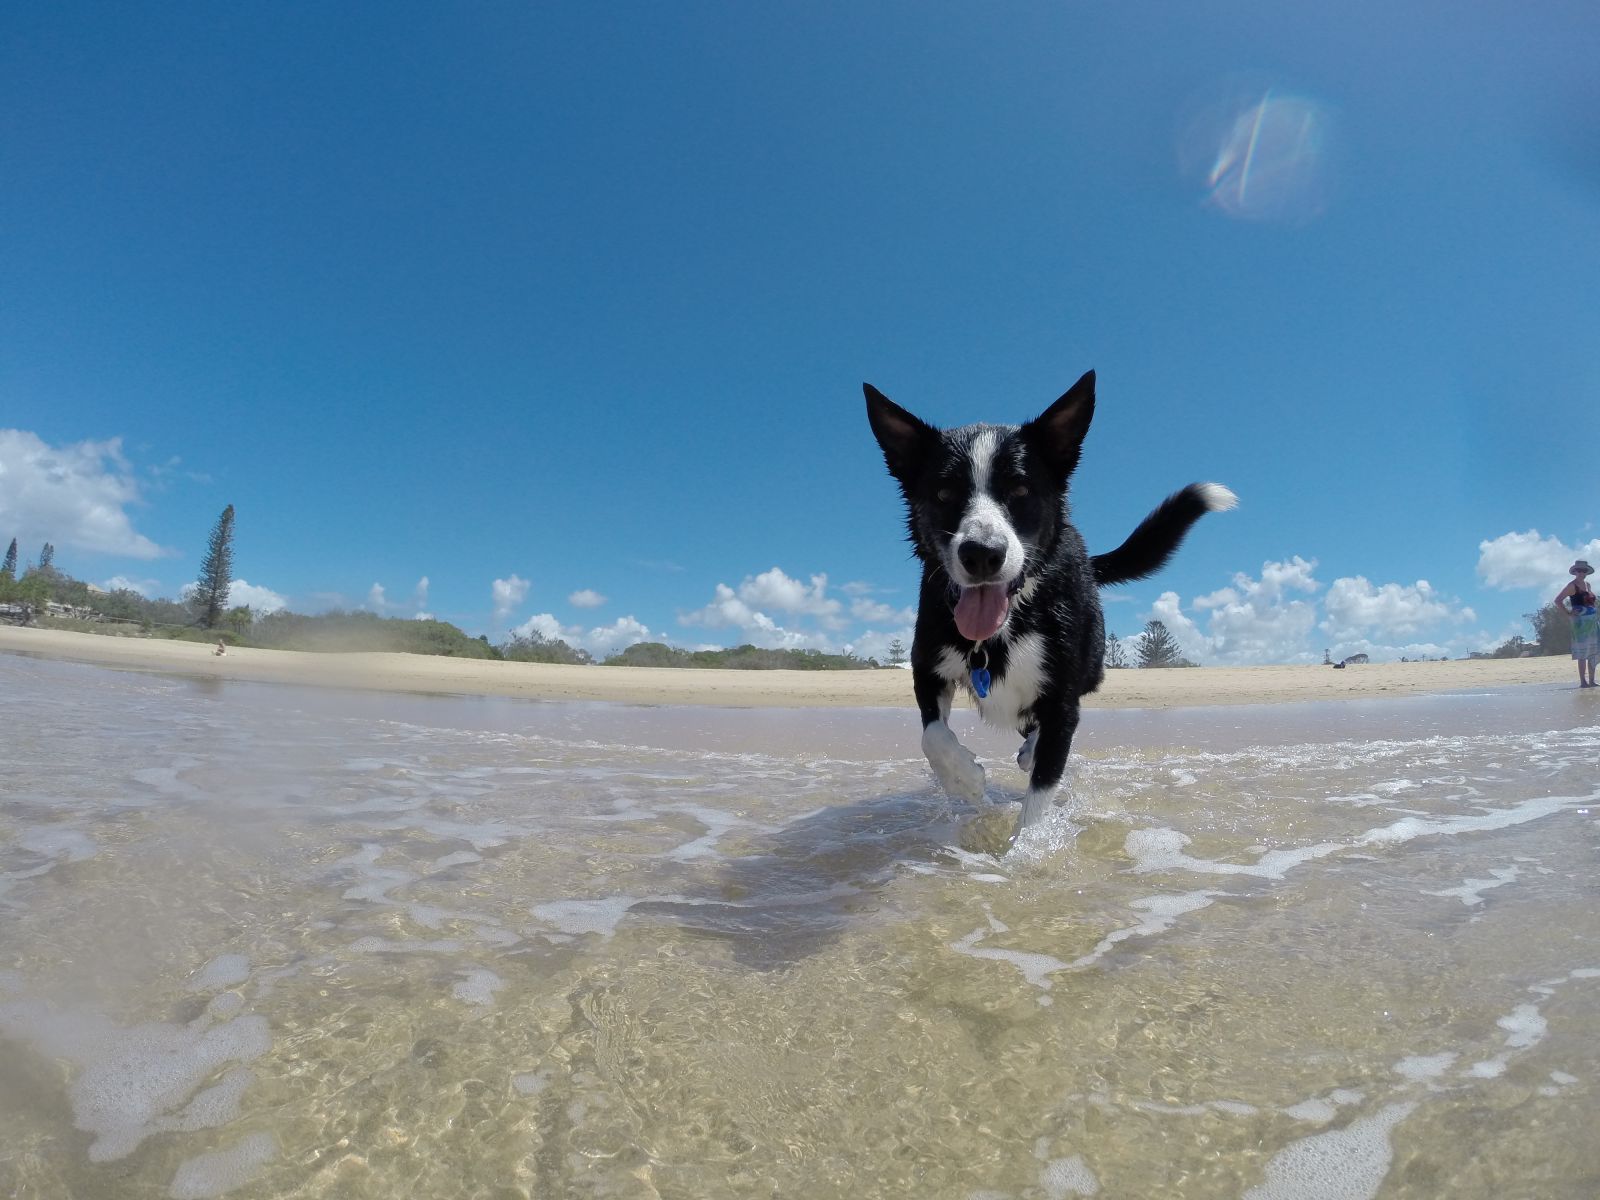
1150	545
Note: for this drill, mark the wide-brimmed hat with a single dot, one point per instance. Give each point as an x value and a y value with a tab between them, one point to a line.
1580	568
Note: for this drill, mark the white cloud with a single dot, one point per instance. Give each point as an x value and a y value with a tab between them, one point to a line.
601	641
728	611
1273	619
606	640
725	609
875	644
1168	609
586	598
1253	621
873	612
1526	560
260	599
120	583
73	496
1356	608
773	589
546	626
422	616
508	594
378	600
1388	651
745	609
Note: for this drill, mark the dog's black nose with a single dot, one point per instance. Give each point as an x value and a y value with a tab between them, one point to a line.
980	561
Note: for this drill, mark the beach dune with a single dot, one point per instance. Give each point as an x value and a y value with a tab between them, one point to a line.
429	674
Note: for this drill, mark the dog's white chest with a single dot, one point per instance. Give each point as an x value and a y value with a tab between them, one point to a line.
1011	693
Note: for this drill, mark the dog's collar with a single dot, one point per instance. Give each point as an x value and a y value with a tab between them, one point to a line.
979	671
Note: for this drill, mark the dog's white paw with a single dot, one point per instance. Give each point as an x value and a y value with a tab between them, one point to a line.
957	768
1025	755
1035	806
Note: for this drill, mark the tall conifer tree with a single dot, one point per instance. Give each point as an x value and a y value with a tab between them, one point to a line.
216	572
9	571
1157	646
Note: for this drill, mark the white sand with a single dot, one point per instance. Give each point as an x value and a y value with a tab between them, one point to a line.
753	689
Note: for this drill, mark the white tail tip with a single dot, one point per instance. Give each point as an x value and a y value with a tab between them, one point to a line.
1216	497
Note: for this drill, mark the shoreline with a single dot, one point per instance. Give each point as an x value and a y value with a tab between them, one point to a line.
420	674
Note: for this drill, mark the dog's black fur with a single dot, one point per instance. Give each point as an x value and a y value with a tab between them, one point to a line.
987	511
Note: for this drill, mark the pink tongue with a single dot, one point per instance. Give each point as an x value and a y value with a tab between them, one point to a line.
981	611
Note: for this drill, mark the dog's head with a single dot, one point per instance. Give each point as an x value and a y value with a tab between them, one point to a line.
985	503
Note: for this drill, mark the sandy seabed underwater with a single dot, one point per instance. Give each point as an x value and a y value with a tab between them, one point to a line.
265	941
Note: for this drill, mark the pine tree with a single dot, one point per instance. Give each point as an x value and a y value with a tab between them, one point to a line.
1157	646
1116	656
210	598
47	556
897	652
9	571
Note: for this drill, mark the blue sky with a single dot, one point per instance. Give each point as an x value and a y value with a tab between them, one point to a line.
566	309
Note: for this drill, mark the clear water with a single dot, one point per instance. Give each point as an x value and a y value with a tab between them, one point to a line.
265	941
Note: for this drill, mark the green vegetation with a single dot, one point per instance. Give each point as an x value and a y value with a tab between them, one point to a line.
1552	634
216	572
363	631
33	588
739	658
540	649
127	613
51	598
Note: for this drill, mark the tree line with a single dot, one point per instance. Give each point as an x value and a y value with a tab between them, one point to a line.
205	614
1154	647
205	608
1552	634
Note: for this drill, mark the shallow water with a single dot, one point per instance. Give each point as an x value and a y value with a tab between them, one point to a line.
278	942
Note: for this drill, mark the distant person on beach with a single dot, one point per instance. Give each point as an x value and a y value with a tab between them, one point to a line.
221	649
1579	602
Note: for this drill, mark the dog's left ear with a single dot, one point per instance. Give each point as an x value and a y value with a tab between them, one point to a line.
1058	432
903	437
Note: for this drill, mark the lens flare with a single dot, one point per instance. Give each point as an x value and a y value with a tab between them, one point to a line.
1262	158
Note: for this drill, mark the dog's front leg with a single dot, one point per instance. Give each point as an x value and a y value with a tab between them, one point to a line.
956	767
1050	750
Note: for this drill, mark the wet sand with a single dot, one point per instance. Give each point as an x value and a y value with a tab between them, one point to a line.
432	675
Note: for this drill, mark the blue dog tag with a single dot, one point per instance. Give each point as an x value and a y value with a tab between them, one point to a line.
980	681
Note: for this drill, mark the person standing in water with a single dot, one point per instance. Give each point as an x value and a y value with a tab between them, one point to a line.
1579	603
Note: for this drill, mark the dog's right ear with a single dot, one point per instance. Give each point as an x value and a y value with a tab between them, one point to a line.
903	437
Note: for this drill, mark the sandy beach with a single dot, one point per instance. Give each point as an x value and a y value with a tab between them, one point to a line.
426	674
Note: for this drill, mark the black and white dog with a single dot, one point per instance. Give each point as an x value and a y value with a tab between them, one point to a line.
1010	602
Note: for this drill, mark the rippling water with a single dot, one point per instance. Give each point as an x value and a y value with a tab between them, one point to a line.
278	942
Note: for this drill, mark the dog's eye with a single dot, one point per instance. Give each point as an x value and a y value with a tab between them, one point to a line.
1020	492
944	495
